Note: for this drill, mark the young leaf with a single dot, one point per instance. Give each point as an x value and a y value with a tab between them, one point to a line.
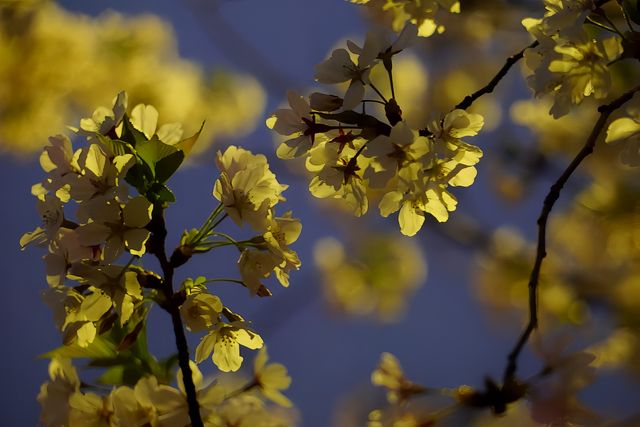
167	166
186	144
126	374
100	348
160	194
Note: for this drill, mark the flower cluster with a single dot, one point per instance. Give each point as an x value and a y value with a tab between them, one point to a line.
248	192
552	394
149	402
109	220
352	154
421	13
105	201
568	63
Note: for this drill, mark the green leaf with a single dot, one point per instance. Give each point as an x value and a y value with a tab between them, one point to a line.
130	134
187	144
101	348
160	194
107	363
162	159
167	166
127	374
132	337
140	176
165	369
153	150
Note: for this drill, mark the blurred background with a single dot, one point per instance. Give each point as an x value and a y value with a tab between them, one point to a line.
449	302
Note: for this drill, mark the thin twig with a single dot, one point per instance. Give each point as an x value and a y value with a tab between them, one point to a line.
378	92
470	99
549	201
157	247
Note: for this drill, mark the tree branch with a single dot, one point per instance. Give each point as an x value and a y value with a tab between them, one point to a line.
470	99
156	245
549	201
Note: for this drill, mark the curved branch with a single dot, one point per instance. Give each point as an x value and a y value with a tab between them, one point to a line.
156	245
489	87
470	99
549	201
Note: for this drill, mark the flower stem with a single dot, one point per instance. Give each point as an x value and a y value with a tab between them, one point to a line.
157	247
378	92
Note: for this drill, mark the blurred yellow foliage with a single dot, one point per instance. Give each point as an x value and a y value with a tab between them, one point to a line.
55	64
376	276
601	231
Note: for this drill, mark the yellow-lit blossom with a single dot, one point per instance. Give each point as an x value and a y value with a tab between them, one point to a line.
119	284
256	265
200	310
247	188
299	122
90	409
339	68
54	395
391	153
339	175
626	130
389	374
81	315
117	228
271	378
224	342
283	232
569	69
422	13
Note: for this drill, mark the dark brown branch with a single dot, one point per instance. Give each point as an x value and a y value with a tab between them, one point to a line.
470	99
549	201
156	245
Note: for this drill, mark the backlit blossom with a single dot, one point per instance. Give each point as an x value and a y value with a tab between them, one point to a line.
256	265
117	228
339	68
200	310
247	188
299	122
626	130
271	378
421	13
224	342
119	284
91	410
389	374
339	175
54	394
